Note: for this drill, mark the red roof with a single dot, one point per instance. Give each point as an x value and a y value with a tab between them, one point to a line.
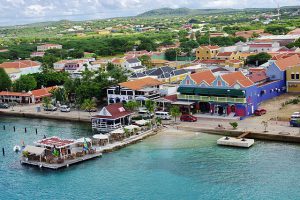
209	61
235	61
234	77
113	111
291	61
260	45
43	92
172	98
212	47
55	141
206	76
141	83
18	94
225	54
258	76
20	64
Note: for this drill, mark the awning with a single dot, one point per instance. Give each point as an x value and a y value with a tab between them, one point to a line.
34	150
131	127
118	131
81	140
183	103
100	137
219	92
142	122
186	90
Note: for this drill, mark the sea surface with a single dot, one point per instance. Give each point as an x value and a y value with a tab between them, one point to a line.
171	165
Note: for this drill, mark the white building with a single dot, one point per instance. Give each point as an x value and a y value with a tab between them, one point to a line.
21	67
135	90
131	63
46	47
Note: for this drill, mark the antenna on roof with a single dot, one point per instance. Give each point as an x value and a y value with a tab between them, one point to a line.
278	10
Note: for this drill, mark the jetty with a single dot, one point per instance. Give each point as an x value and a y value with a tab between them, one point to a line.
235	142
70	152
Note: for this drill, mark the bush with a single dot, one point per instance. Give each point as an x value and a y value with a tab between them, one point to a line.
234	124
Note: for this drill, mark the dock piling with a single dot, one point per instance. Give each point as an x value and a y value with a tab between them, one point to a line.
36	131
14	129
3	127
3	151
25	130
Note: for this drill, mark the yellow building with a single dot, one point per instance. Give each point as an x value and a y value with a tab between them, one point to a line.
225	56
207	52
293	79
234	63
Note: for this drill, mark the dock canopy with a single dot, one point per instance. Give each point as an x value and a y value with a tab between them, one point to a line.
183	103
118	131
100	137
34	150
131	127
83	139
142	122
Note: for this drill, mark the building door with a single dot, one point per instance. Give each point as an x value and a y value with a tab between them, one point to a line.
204	107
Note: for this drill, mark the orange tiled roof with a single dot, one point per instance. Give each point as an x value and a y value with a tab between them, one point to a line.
291	61
234	77
206	76
140	83
20	94
43	92
211	47
224	53
19	64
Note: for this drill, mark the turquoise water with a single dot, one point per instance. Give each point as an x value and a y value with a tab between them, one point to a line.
167	166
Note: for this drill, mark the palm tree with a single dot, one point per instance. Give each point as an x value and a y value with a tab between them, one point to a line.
175	112
88	105
46	102
151	106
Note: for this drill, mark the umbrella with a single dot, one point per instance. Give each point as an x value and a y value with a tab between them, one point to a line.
100	137
118	131
82	140
142	122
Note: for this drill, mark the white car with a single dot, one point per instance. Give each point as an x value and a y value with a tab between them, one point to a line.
65	108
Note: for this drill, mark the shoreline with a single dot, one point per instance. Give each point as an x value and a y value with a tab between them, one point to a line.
44	116
252	135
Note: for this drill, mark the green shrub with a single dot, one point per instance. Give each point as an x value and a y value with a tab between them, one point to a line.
234	125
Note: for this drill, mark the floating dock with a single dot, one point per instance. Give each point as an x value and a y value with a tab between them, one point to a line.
235	142
66	163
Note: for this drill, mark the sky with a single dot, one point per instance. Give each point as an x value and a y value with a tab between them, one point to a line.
13	12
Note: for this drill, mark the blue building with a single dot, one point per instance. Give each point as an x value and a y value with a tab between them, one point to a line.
233	93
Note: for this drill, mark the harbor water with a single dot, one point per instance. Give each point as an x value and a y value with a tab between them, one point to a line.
171	165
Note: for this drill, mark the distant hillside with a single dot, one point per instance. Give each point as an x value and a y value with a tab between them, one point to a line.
184	11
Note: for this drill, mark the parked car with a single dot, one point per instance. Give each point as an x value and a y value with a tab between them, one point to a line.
295	119
4	105
260	112
50	108
65	108
162	115
188	118
145	114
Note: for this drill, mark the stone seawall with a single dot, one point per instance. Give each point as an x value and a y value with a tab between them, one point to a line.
253	135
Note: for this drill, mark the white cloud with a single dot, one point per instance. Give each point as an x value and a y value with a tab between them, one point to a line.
40	10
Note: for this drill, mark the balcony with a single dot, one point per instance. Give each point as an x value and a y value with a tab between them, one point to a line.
211	99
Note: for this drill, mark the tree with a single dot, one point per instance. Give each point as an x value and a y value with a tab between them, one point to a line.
46	102
25	83
88	105
171	54
277	30
259	59
175	112
150	105
131	105
5	82
60	95
146	60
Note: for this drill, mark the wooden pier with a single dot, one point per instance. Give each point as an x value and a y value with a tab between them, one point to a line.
66	163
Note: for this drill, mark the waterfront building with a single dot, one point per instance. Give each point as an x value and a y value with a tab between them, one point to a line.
31	97
111	117
228	93
138	90
293	79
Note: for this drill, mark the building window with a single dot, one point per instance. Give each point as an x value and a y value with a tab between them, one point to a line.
219	83
123	92
129	92
207	52
188	82
292	76
297	76
110	92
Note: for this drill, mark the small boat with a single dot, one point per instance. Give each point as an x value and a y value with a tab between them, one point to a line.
17	148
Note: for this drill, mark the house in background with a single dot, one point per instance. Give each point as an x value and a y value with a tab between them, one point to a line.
136	90
134	65
37	54
293	79
21	67
46	47
31	97
207	52
111	117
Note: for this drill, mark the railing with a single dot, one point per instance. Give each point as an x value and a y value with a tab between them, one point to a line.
211	98
105	127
